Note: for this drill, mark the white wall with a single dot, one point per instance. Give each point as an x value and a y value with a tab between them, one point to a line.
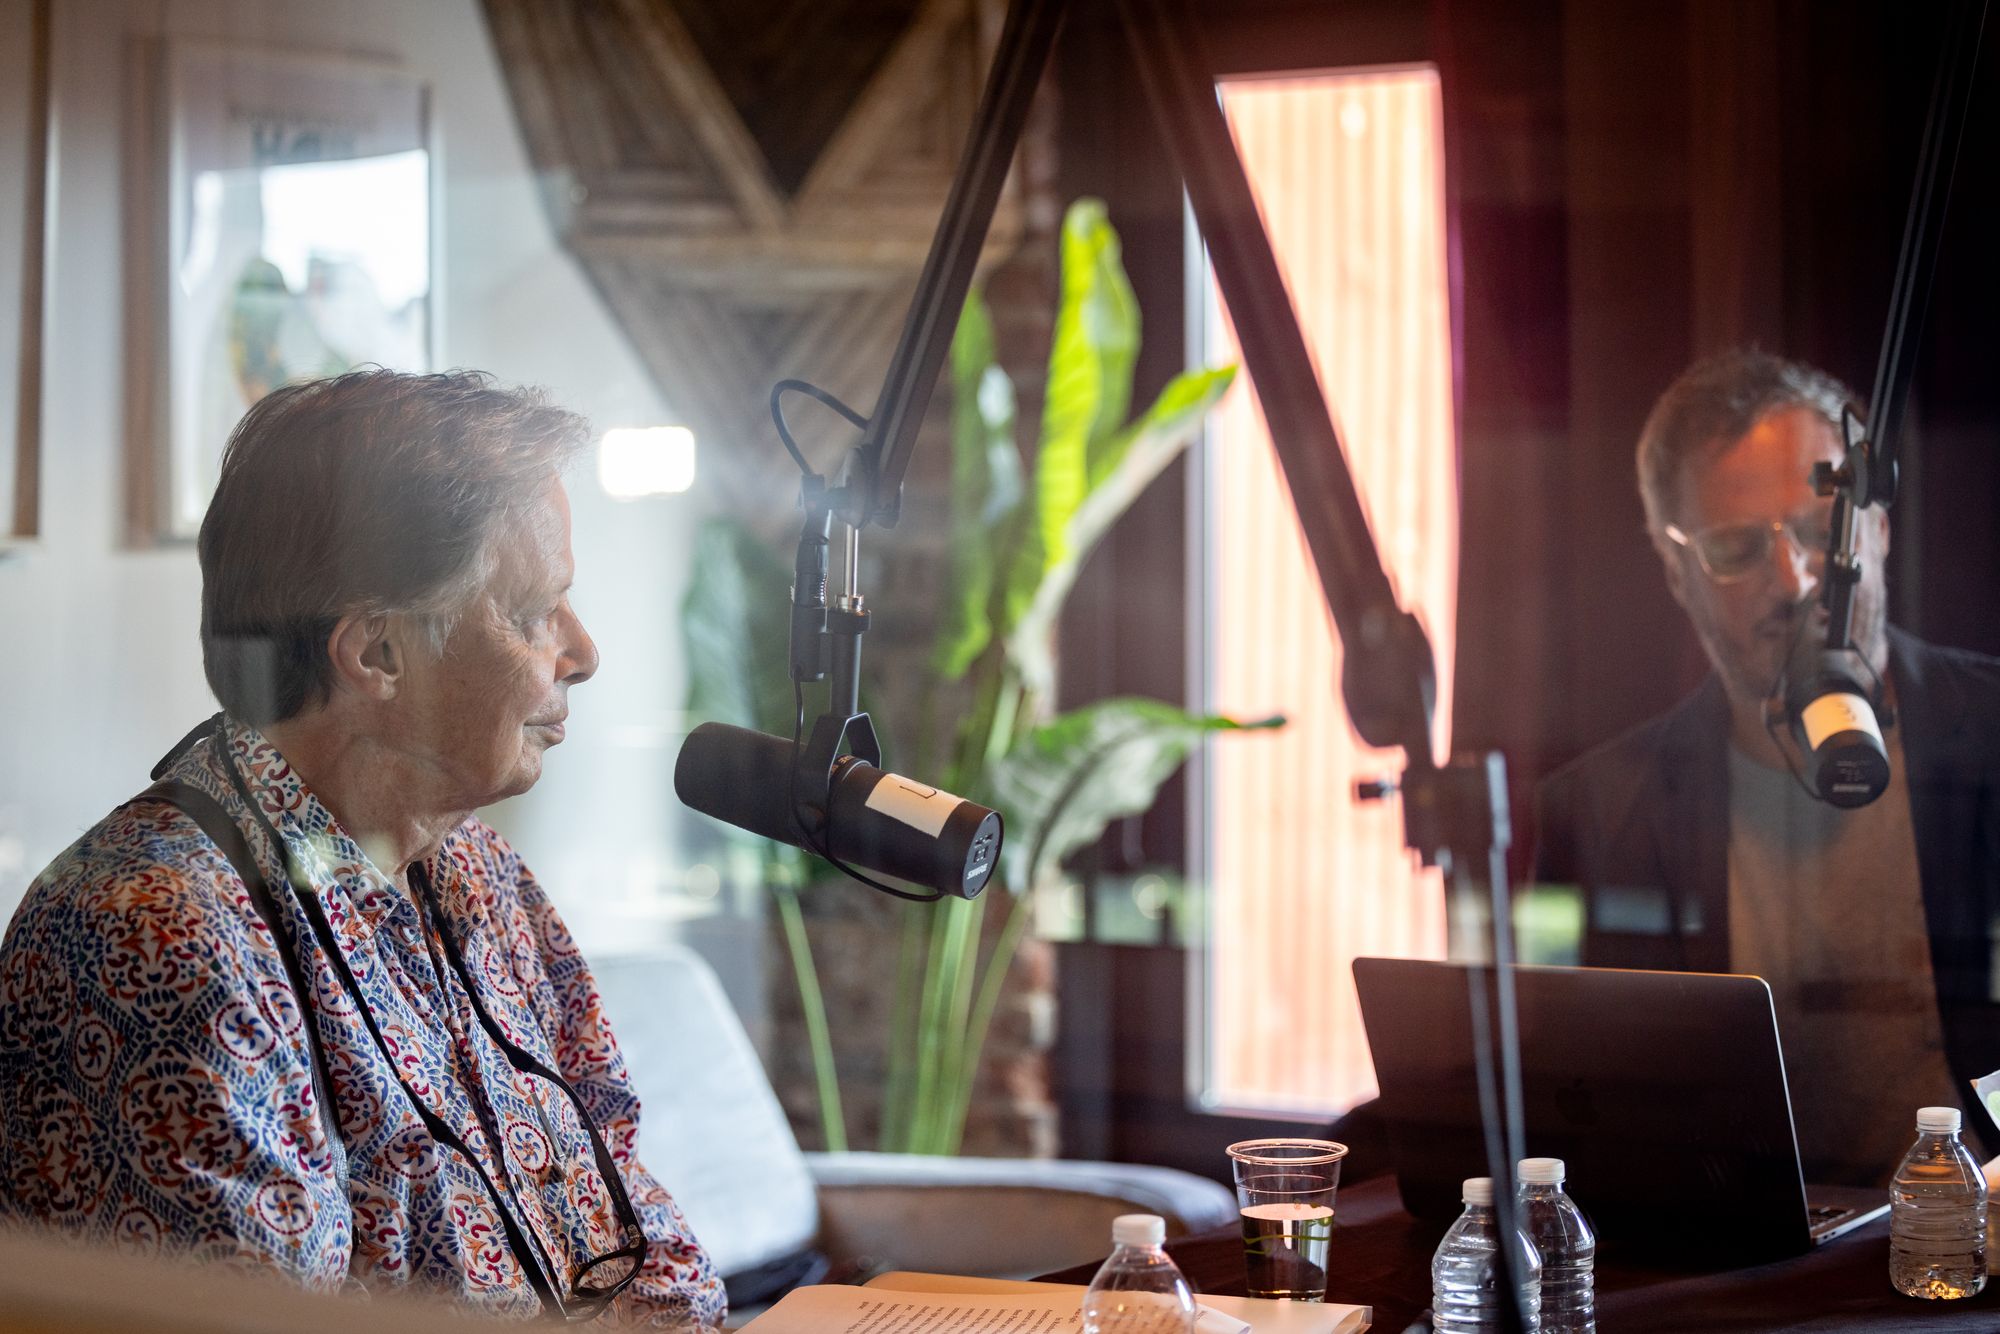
99	666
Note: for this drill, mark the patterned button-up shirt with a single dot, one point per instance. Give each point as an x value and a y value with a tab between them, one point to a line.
155	1085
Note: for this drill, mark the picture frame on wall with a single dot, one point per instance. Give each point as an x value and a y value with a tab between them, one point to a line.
24	149
293	233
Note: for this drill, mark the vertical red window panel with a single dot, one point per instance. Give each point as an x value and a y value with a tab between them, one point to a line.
1348	170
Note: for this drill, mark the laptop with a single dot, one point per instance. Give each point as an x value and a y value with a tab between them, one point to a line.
1664	1093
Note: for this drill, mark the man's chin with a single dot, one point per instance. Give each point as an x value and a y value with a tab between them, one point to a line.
526	774
1750	677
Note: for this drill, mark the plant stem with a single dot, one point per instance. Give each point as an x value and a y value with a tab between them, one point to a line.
931	1035
1007	714
927	711
833	1124
947	1051
968	759
997	968
958	929
898	1093
966	929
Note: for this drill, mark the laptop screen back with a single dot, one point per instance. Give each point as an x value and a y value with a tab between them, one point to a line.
1663	1092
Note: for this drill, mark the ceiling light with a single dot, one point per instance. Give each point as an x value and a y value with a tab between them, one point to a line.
636	461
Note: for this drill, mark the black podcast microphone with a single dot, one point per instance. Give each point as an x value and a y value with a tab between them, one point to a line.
879	821
1834	724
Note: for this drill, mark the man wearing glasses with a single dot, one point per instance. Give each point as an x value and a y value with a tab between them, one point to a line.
295	1006
1694	841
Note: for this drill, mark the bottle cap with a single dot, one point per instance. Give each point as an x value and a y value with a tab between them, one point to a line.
1541	1171
1937	1120
1138	1230
1477	1190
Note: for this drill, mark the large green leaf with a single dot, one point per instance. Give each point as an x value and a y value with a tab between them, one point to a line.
735	624
1089	390
1132	458
1069	778
985	491
1097	327
735	627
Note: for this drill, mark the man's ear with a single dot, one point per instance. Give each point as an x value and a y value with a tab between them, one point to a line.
1675	568
368	656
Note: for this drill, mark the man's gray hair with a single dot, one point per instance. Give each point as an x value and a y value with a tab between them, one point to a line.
373	492
1717	400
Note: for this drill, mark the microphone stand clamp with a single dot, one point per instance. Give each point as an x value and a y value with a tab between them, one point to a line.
827	639
1860	479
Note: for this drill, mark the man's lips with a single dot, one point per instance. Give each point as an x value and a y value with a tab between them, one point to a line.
1786	626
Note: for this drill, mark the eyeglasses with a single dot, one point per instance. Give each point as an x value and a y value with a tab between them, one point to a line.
598	1281
1733	552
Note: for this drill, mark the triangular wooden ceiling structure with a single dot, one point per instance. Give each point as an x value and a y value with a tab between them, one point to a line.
753	186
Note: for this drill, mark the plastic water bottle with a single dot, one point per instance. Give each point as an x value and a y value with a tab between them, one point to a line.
1937	1213
1465	1272
1139	1290
1568	1248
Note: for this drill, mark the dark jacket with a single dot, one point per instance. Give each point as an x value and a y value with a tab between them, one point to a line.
1641	825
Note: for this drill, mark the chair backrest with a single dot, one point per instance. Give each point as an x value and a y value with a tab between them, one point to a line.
710	1128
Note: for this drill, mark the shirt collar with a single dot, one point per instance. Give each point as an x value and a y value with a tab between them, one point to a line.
357	896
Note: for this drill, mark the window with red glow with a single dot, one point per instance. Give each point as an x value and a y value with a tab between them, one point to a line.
1348	170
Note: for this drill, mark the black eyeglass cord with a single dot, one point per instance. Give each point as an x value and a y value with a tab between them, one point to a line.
526	1062
528	1253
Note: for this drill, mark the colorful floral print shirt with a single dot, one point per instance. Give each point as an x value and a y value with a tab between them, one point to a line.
156	1091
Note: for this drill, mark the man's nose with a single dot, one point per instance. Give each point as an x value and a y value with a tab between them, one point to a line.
1797	568
579	660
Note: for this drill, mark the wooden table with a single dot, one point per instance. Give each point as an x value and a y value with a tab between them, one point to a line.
1381	1258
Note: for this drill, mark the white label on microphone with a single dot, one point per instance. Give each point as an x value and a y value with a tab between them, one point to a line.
1830	715
919	807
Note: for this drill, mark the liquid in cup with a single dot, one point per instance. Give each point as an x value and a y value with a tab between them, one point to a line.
1285	1248
1284	1193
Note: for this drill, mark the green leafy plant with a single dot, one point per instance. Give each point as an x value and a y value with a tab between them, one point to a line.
1017	545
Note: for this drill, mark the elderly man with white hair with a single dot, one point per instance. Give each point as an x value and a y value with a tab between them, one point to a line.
295	1006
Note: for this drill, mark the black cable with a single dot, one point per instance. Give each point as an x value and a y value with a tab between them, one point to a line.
812	391
1771	717
527	1250
807	840
1776	706
525	1061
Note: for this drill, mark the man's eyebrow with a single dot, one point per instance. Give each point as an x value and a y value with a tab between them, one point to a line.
548	591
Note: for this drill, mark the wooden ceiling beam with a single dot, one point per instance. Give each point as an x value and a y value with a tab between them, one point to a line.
722	282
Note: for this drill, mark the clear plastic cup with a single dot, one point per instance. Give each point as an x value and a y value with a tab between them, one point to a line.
1284	1192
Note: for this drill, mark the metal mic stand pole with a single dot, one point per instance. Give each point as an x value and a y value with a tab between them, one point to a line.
1867	474
1455	816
